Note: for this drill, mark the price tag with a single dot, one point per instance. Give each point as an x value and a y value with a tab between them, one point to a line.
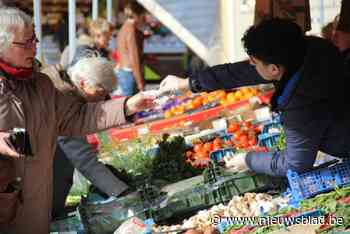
142	131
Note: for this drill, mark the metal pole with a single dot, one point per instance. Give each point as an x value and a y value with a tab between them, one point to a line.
109	10
72	29
37	25
322	13
94	9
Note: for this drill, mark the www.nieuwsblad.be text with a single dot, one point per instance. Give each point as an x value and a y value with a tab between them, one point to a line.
274	220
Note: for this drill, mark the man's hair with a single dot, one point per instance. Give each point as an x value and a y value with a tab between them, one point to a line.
84	51
276	41
99	25
95	71
134	7
11	19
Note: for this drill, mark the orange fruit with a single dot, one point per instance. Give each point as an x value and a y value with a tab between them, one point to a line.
230	97
197	102
254	92
205	101
168	114
238	94
189	105
245	90
221	94
211	98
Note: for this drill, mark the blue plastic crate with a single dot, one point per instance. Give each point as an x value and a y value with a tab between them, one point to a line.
268	139
226	137
218	155
308	184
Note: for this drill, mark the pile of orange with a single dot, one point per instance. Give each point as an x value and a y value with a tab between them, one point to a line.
223	97
180	109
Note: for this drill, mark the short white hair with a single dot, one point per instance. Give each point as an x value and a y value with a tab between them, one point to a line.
95	71
11	19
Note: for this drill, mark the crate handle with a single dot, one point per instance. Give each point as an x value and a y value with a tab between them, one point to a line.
326	164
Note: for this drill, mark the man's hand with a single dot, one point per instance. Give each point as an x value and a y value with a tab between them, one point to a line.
139	102
5	149
173	83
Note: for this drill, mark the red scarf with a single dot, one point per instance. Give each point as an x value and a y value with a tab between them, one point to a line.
18	73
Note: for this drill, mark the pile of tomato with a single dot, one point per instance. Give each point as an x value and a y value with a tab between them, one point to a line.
244	137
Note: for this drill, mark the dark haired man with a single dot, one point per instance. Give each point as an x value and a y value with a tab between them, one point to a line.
310	88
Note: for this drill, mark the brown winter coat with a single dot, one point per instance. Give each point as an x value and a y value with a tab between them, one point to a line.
45	113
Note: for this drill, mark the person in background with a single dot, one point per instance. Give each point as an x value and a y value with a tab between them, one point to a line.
310	93
29	100
89	78
341	39
61	34
130	47
100	32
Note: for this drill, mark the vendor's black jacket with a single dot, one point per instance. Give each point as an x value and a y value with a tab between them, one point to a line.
314	110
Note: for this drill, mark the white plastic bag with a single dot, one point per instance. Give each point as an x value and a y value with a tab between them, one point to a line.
133	225
80	184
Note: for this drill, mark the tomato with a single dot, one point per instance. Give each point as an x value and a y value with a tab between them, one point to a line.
216	147
229	143
202	155
198	147
189	154
252	141
243	138
247	124
258	129
245	144
217	141
237	135
233	127
208	146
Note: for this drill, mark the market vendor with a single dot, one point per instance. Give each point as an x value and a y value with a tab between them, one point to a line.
310	93
29	100
89	78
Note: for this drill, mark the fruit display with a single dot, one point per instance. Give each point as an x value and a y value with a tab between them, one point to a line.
208	100
241	136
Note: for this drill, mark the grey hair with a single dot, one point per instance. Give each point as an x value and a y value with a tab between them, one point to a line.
11	19
95	71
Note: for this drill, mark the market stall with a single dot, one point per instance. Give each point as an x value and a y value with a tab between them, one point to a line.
179	161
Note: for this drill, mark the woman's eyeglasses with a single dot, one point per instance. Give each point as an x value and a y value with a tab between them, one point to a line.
28	44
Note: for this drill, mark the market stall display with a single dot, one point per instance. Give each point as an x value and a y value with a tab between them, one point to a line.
183	179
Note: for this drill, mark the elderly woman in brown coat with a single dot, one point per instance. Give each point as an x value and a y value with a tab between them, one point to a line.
29	100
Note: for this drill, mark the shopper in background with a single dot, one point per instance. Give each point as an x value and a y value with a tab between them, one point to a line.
311	93
29	100
341	39
90	78
100	32
130	47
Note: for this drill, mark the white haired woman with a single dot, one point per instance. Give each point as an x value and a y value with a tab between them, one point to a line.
90	78
29	100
